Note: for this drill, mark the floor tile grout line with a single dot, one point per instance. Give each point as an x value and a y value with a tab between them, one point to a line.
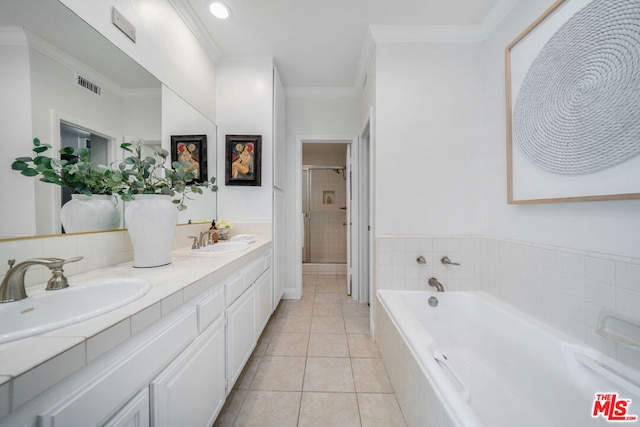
281	315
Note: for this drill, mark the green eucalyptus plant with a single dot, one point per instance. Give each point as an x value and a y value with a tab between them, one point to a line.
81	176
140	174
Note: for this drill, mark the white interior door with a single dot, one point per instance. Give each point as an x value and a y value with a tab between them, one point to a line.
348	221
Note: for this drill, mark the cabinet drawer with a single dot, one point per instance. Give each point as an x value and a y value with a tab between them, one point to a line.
210	308
233	288
253	271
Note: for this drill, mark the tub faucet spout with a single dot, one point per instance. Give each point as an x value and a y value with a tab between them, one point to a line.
434	283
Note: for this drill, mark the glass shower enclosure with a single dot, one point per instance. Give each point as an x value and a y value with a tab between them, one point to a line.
324	210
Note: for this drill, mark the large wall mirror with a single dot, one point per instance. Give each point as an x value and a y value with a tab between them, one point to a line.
66	84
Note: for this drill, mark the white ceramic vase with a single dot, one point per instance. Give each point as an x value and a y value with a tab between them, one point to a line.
90	213
151	220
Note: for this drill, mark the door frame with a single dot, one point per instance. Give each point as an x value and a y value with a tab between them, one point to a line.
113	153
352	140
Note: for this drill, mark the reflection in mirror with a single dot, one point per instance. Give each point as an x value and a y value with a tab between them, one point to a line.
70	75
180	118
57	73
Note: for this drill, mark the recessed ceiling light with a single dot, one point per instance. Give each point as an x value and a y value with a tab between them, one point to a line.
219	10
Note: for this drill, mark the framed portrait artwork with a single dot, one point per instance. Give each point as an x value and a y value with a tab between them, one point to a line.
243	160
192	149
573	116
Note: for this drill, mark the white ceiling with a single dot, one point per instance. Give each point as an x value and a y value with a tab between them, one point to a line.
320	43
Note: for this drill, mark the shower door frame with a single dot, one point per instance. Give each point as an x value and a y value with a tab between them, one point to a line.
306	238
352	273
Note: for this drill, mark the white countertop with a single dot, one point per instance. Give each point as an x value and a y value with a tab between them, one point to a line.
171	286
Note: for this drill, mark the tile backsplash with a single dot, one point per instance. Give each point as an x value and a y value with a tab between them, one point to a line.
398	267
564	288
98	249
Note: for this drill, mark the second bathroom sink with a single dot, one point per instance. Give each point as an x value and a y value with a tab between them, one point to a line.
221	248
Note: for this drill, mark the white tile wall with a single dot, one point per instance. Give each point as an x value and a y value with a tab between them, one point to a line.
398	267
98	249
565	288
576	287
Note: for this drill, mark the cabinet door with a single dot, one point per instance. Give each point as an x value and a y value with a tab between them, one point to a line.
133	414
264	292
191	390
241	335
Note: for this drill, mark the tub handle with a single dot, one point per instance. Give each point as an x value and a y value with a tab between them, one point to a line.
442	360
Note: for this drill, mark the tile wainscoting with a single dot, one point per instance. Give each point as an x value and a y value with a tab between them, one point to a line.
564	288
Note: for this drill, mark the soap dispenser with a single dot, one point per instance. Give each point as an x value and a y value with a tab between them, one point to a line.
213	233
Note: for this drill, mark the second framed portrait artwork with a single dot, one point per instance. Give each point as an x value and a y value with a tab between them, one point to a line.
243	160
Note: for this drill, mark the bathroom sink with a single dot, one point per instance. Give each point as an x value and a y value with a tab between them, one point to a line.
221	248
48	310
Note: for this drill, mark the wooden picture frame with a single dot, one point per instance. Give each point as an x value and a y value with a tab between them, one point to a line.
531	176
243	158
193	149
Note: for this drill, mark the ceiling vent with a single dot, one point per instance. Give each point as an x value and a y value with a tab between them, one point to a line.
81	81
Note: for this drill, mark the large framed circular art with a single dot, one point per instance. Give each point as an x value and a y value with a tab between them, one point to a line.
573	104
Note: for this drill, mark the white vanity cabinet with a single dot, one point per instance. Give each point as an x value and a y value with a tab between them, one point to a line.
264	300
134	414
241	335
191	390
247	313
176	371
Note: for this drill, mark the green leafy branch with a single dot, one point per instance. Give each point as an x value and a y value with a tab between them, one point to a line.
81	176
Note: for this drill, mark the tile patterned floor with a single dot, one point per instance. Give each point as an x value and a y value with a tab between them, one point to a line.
314	365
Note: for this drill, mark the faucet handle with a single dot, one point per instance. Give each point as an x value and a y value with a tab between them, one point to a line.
196	242
446	261
58	280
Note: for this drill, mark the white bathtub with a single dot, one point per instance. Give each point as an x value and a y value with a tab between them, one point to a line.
475	361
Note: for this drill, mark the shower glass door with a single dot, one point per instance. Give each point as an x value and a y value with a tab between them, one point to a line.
324	210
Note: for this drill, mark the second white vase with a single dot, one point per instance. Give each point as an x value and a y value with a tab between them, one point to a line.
90	213
151	220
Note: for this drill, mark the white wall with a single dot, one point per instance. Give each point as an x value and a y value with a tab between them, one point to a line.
611	227
143	116
427	139
164	46
180	118
245	107
18	208
328	116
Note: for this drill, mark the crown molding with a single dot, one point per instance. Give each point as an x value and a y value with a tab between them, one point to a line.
368	46
496	15
321	92
13	36
378	34
197	28
69	61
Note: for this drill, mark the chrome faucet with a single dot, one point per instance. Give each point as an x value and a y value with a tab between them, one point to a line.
206	237
203	240
434	283
12	287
